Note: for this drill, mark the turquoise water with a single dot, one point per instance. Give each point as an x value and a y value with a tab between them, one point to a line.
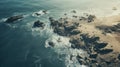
22	46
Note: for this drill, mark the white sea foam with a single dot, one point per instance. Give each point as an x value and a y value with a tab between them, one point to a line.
3	20
63	47
45	32
39	13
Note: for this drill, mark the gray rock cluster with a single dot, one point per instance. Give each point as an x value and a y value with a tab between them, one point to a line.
40	12
88	18
95	49
91	44
38	24
110	29
63	28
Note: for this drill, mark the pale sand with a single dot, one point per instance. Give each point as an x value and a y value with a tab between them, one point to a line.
113	39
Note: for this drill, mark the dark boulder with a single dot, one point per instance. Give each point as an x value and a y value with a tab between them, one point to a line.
74	32
117	26
105	51
83	18
104	28
118	57
37	14
109	29
54	23
93	55
14	18
45	11
93	65
75	41
108	62
76	44
71	27
74	16
42	12
81	60
59	40
103	64
51	19
60	24
91	40
74	11
95	38
100	45
79	57
51	44
38	24
94	61
91	18
60	31
71	56
113	29
87	39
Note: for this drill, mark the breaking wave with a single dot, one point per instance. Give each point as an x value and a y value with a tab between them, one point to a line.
63	49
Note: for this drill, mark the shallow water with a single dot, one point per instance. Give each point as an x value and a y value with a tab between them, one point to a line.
22	46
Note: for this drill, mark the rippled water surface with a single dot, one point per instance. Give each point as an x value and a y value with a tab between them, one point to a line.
22	46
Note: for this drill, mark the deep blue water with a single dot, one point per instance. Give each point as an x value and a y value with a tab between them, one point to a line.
18	46
21	46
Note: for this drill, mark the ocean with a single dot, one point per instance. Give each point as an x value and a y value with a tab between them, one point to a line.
23	46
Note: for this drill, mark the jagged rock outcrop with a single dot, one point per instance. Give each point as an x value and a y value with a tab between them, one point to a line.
75	32
88	18
90	43
105	51
93	55
62	27
100	45
38	24
14	18
110	29
91	18
81	60
40	13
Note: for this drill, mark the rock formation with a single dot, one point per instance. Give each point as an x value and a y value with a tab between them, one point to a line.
14	18
38	24
98	53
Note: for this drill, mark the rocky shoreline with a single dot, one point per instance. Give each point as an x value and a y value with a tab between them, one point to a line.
79	29
99	55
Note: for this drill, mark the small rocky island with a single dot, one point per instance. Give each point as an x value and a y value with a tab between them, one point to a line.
12	19
38	24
